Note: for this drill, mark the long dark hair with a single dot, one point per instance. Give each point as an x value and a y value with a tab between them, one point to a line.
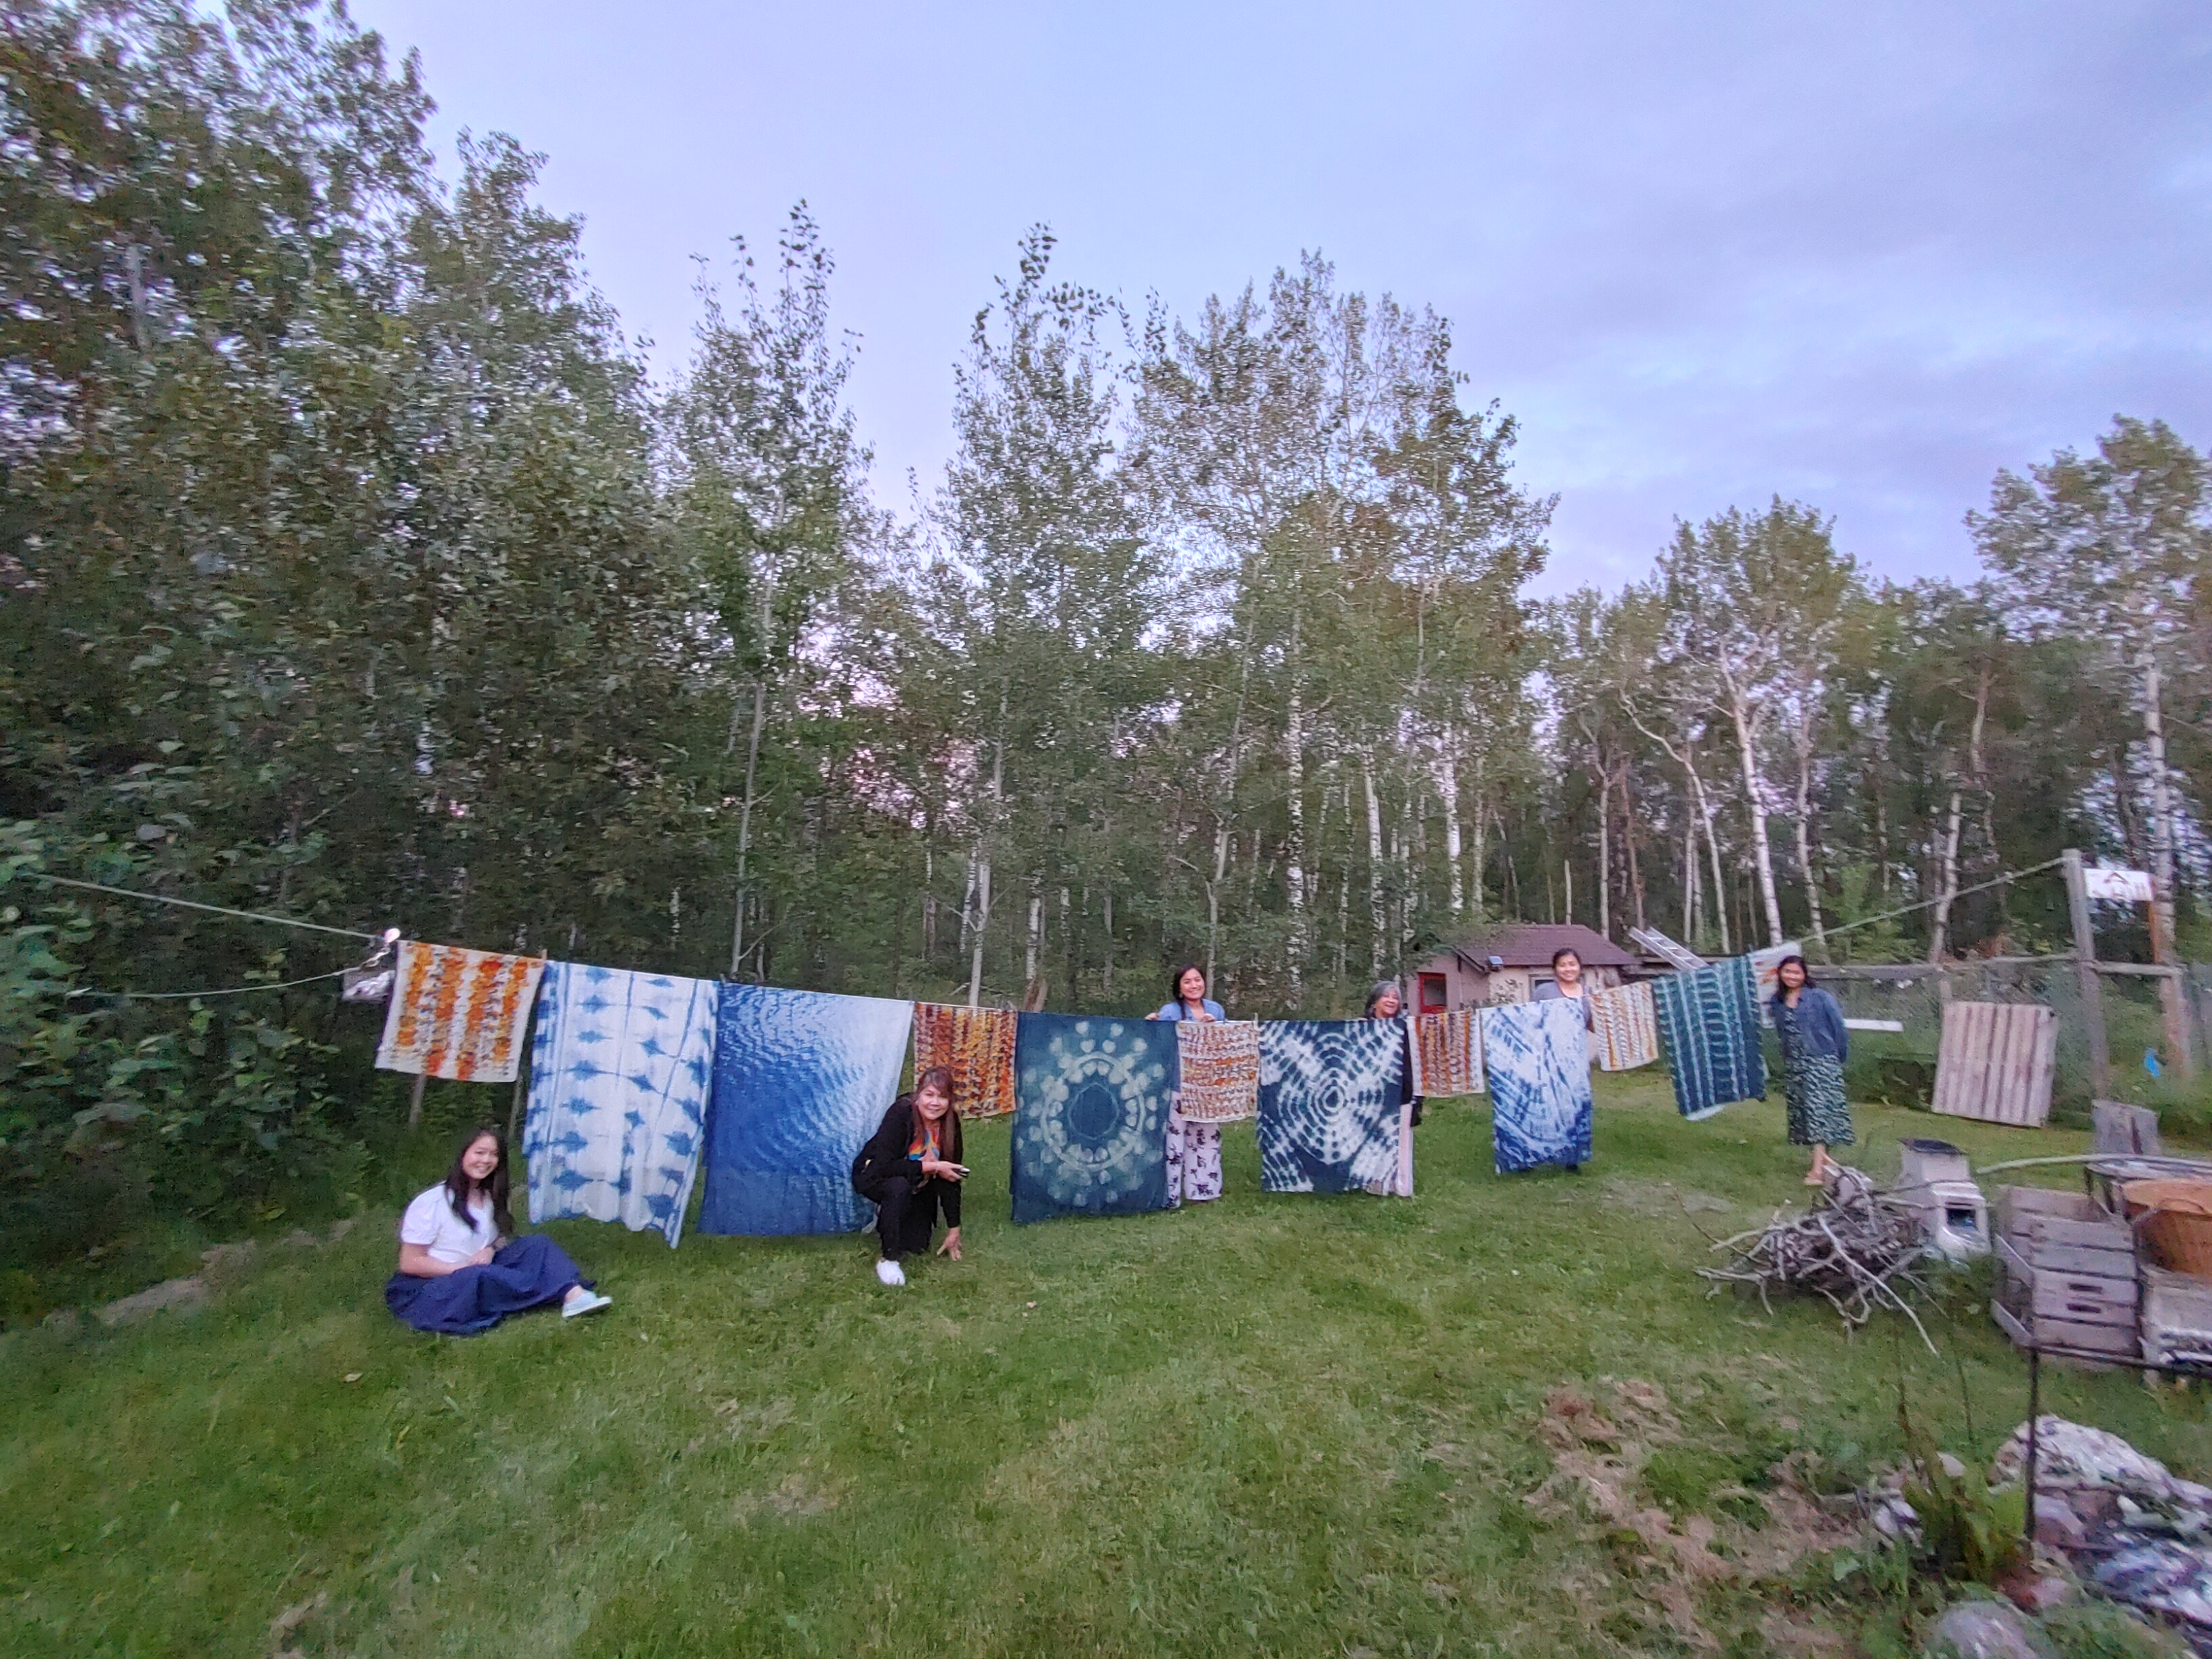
1174	984
948	1137
458	1186
1782	990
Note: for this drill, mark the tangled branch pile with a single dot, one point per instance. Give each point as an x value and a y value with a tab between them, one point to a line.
1850	1247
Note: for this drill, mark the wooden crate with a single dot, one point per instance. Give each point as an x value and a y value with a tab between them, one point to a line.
1994	1062
2066	1272
2067	1294
2176	1315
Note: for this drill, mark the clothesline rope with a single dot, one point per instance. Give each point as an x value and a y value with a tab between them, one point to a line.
227	991
1980	887
194	904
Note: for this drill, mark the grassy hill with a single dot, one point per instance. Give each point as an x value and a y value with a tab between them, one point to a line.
1281	1426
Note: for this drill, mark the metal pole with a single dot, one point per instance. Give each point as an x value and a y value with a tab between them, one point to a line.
2034	1415
2085	972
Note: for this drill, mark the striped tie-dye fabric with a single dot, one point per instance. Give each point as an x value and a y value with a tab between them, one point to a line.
1329	1092
801	1080
1536	1056
1625	1027
977	1044
1448	1054
1710	1027
1220	1061
619	1069
1090	1133
458	1014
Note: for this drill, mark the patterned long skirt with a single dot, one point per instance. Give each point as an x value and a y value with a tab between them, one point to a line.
1813	1087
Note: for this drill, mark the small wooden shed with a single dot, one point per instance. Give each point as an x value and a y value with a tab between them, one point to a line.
1508	962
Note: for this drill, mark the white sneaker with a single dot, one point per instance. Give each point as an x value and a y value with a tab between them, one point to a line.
891	1273
590	1302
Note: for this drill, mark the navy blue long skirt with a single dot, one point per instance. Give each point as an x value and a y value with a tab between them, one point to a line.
530	1273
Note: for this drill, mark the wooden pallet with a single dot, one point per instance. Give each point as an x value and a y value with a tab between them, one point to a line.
1994	1062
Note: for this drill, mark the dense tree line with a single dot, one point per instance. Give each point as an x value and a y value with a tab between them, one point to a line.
352	568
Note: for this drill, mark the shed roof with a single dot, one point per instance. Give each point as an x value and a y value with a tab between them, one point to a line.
1530	944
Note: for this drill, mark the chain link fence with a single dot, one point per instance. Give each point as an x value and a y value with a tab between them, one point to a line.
1899	1067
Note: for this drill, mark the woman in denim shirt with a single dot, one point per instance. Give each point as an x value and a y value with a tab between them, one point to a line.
1814	1046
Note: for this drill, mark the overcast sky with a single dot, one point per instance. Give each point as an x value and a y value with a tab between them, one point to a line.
1859	254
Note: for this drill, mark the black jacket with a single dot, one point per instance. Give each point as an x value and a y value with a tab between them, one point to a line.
885	1155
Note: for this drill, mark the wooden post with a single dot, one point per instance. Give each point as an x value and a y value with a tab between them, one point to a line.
415	1101
2085	972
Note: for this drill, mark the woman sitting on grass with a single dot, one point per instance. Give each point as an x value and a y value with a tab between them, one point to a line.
456	1278
1814	1046
909	1170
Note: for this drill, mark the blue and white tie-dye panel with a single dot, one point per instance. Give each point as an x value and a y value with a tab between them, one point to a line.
801	1080
618	1075
1092	1097
1329	1103
1538	1060
1710	1022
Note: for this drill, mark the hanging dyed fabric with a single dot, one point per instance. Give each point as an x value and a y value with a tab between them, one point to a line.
619	1069
1091	1127
458	1014
1711	1031
1448	1054
801	1080
1537	1056
1329	1096
978	1045
1220	1061
1625	1027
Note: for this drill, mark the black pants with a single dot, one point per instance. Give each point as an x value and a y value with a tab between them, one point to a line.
905	1214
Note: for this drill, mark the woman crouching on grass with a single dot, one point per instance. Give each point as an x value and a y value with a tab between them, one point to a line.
911	1168
456	1276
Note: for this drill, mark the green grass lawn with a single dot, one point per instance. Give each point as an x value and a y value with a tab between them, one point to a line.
1288	1426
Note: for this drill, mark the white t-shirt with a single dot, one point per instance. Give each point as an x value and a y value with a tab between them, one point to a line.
431	1222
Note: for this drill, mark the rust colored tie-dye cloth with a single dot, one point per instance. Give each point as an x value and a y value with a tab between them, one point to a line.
1220	1061
978	1045
458	1013
1448	1055
1624	1027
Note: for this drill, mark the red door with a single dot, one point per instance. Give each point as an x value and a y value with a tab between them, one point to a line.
1434	998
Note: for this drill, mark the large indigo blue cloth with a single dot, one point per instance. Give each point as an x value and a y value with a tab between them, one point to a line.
529	1273
1092	1097
801	1080
1709	1023
618	1076
1537	1055
1329	1092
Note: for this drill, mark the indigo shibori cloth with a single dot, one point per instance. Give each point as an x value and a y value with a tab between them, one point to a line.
1537	1058
977	1045
1329	1092
1711	1030
1220	1061
458	1014
1448	1054
1091	1124
1624	1027
619	1069
801	1080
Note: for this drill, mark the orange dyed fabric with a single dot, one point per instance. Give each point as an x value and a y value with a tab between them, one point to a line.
1448	1054
458	1013
1220	1063
977	1044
